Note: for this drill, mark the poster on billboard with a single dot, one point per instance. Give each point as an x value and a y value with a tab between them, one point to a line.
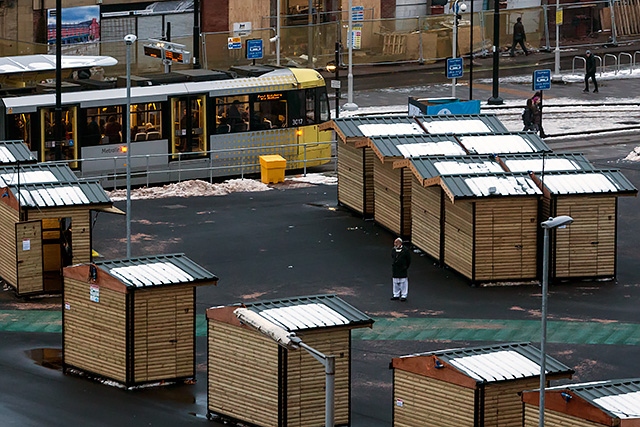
80	30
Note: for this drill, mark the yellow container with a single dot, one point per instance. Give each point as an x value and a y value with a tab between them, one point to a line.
272	168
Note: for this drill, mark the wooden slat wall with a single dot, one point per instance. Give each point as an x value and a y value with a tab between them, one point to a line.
587	247
387	184
8	266
351	186
80	229
163	334
242	374
627	16
425	218
405	202
506	239
430	402
95	332
553	419
369	188
30	274
306	380
458	237
502	403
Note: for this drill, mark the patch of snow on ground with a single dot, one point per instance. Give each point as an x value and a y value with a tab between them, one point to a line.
315	178
191	188
634	156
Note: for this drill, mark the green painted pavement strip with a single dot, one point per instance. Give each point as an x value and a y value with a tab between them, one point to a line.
406	329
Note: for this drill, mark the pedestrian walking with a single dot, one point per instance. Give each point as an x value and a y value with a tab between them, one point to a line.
519	37
536	102
401	261
527	117
590	72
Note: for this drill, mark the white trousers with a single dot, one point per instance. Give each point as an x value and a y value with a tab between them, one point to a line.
400	287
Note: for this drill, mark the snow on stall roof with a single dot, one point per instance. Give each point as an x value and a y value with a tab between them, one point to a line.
455	167
29	177
622	405
385	129
579	184
536	165
304	316
60	196
456	126
504	185
157	273
497	366
489	144
441	148
6	156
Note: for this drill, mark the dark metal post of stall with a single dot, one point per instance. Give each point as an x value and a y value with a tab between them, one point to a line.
196	34
495	99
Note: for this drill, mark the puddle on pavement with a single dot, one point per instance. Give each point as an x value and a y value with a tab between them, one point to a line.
48	357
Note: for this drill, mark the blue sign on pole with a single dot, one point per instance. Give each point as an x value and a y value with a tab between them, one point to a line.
454	68
254	49
541	80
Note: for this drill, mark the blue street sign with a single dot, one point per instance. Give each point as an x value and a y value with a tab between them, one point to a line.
254	49
454	68
357	13
541	80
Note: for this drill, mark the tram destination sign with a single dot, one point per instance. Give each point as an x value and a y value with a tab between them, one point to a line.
173	52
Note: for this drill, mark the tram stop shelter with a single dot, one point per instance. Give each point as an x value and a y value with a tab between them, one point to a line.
45	213
467	387
132	320
15	152
593	404
252	379
356	160
586	249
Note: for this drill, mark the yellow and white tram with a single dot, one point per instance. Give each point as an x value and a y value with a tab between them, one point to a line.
209	124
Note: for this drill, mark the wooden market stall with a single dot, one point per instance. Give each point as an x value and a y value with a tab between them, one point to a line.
355	158
251	379
587	248
481	383
132	320
392	185
47	226
593	404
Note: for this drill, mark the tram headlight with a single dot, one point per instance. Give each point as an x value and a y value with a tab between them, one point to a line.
298	132
123	148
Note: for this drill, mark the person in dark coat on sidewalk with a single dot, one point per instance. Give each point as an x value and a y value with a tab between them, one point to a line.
590	72
519	36
401	261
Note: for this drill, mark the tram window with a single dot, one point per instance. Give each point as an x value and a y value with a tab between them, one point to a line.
310	106
269	111
19	128
323	105
146	124
297	108
232	114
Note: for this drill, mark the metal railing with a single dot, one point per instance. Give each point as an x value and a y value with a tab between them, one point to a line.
183	166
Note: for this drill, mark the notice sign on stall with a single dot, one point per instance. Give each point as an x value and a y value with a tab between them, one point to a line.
94	293
26	244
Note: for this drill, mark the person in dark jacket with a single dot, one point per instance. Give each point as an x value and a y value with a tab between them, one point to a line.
401	262
590	72
519	37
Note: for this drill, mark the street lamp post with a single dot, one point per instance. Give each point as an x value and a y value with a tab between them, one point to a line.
495	98
457	8
557	78
128	40
557	222
350	105
334	67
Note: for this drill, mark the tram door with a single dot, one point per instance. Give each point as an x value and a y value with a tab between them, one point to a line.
188	116
67	147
